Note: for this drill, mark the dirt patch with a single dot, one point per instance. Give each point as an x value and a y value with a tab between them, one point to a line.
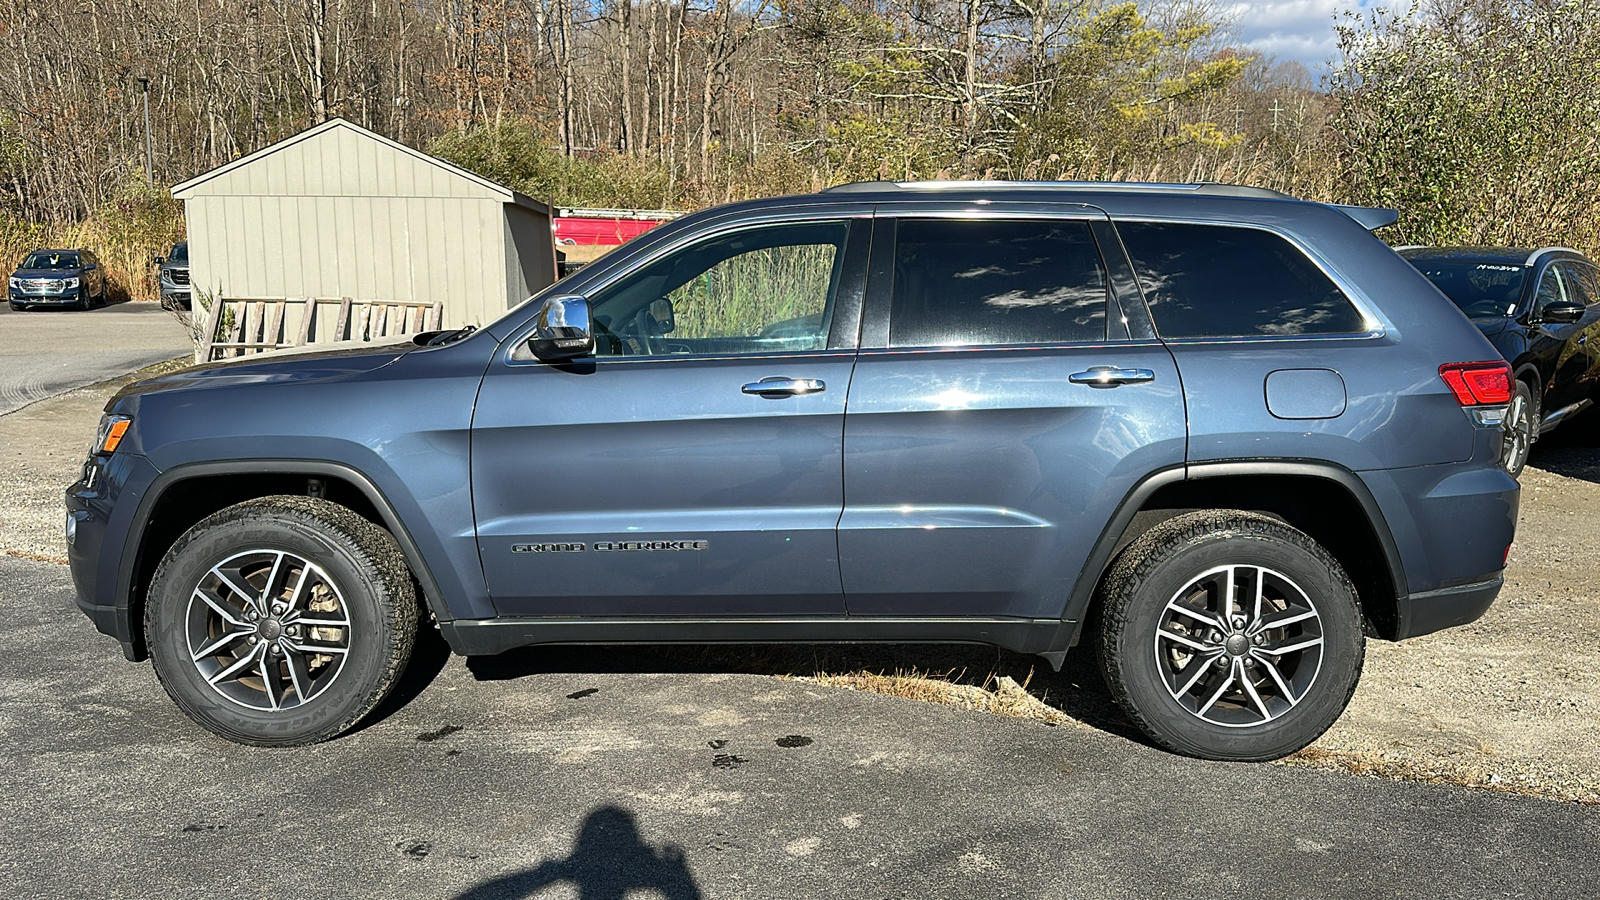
42	449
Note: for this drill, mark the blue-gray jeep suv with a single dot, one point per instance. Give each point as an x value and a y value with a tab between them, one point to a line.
1233	430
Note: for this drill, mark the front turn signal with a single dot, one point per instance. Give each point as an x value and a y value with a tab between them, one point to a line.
112	429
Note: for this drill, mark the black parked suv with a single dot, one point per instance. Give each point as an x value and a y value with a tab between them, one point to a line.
1541	310
57	278
1226	427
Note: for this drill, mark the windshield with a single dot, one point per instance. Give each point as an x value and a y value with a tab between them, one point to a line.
179	254
51	260
1479	287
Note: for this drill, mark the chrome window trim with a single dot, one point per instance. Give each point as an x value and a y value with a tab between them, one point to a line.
1534	256
1012	211
1377	325
713	229
1010	348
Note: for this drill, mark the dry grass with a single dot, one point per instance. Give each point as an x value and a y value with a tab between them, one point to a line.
1000	694
1473	771
124	233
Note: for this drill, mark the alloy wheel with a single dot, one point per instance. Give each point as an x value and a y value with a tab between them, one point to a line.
1239	645
267	629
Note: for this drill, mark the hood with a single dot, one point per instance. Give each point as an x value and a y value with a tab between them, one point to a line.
47	273
268	368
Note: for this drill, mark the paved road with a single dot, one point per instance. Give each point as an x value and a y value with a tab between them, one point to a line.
582	773
47	352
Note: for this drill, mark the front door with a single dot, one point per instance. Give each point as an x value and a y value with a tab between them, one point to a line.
693	467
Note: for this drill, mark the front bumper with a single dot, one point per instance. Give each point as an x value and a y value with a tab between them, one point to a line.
101	506
42	298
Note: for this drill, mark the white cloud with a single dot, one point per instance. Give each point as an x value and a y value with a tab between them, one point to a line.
1300	30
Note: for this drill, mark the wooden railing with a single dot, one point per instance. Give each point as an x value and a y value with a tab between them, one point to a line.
238	326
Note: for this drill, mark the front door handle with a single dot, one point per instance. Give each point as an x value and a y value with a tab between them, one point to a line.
1111	376
780	386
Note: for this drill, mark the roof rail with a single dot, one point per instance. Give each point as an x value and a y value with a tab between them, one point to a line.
1411	247
1205	188
1543	250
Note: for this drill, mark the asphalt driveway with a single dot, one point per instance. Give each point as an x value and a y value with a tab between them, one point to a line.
591	773
44	352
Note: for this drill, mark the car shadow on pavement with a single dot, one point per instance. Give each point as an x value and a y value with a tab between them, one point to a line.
1078	690
1572	451
609	860
428	658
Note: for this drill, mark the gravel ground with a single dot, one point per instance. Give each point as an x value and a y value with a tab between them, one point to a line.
1510	703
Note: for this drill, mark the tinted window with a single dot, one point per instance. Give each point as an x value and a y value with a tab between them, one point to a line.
996	282
1214	281
1479	287
180	253
759	290
1551	288
1579	285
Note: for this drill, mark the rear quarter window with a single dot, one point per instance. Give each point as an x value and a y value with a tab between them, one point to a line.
1214	281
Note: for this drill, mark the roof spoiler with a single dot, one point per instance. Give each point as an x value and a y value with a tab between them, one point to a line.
1371	217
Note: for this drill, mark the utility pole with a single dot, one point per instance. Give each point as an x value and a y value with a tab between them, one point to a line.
149	156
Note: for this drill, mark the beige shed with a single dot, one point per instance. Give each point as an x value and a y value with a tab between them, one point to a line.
339	211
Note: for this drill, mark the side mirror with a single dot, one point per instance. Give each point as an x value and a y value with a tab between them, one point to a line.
1561	312
158	260
562	330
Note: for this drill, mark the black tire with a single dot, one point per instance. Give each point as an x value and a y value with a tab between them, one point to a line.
342	568
83	299
18	307
1521	429
1176	565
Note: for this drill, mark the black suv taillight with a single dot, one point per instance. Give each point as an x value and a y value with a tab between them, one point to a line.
1479	383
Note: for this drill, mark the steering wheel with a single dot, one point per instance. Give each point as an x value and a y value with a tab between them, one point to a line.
641	331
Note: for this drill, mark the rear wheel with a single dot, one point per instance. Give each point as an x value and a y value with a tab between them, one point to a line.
1521	429
281	621
1230	635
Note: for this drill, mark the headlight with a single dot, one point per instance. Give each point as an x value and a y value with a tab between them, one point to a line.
112	429
69	283
16	283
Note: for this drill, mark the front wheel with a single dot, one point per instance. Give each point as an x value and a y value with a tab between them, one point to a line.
1230	635
281	621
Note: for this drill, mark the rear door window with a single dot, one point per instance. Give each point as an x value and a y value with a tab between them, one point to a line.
996	282
1580	282
1214	281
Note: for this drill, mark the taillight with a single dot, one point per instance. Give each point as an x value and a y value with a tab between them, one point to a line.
1479	383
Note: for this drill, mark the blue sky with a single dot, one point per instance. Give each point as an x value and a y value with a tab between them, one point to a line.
1296	29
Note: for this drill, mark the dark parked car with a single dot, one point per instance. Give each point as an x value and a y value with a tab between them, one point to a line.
1224	426
58	278
173	277
1541	310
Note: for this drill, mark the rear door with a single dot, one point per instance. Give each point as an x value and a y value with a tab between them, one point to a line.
1000	410
693	466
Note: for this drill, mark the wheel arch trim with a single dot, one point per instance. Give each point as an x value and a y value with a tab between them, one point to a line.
1100	557
170	478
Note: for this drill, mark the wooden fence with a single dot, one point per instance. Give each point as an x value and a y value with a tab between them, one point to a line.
238	326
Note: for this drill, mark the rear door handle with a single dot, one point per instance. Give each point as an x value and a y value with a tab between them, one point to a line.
1111	376
780	386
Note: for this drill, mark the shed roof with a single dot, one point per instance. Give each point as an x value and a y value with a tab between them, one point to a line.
336	128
